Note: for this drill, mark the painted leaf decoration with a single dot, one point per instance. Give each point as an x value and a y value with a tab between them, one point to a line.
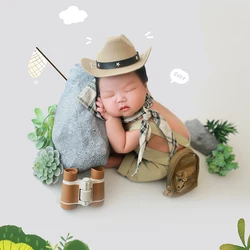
36	64
241	230
9	245
231	247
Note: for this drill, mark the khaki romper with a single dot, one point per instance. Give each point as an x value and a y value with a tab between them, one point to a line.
154	164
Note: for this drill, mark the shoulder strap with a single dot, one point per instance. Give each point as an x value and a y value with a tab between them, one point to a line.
182	140
155	130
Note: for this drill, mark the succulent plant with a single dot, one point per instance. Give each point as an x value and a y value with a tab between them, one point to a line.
47	167
220	131
220	161
42	135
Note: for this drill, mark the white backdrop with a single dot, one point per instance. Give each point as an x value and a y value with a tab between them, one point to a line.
207	39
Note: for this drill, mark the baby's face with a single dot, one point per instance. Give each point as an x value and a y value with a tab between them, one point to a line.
122	95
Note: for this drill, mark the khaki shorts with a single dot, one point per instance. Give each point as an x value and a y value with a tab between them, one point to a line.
154	165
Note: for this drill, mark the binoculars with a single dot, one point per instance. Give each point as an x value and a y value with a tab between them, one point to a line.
85	192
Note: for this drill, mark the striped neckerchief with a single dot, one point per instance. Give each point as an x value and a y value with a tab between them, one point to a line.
145	114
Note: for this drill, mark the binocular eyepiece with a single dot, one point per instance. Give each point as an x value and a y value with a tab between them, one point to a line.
85	192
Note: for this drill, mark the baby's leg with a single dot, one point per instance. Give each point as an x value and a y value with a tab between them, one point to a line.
114	161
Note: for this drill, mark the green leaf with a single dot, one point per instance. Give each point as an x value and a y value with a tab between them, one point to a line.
63	239
40	143
212	166
219	160
231	247
220	147
230	158
56	246
51	144
46	135
45	126
223	172
241	230
47	143
37	123
51	121
39	131
229	166
56	161
50	132
32	136
227	152
209	159
215	153
49	181
52	109
39	114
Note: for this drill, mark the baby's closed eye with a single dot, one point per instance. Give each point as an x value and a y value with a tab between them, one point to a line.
107	94
131	89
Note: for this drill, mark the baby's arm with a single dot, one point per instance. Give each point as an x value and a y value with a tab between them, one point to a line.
121	141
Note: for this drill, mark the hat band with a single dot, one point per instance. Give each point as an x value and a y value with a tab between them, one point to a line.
118	64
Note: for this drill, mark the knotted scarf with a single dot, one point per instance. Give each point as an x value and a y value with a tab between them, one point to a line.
88	99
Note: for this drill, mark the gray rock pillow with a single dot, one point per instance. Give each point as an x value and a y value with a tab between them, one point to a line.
78	135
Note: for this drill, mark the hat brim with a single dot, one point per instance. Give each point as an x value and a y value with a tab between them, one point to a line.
90	66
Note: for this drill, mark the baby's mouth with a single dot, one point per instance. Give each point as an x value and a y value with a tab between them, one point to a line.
124	108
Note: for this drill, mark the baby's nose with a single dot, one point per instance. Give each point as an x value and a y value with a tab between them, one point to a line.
121	98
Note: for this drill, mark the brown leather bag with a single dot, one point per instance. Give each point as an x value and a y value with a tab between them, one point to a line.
183	172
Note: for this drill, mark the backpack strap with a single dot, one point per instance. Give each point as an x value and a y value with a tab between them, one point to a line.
182	140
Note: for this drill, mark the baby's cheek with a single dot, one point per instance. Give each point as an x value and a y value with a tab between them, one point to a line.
108	106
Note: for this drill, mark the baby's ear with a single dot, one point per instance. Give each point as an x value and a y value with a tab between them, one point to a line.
147	90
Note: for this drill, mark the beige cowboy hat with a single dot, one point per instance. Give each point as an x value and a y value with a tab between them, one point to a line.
117	57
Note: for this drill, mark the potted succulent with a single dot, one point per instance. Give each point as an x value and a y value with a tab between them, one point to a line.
47	166
220	161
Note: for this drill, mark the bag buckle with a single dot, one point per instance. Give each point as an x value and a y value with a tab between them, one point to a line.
167	191
181	177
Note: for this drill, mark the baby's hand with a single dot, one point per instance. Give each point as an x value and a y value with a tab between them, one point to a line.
101	109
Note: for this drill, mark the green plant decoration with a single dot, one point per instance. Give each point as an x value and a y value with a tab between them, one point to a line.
47	167
15	238
9	245
76	244
241	232
42	135
220	131
65	244
64	241
220	161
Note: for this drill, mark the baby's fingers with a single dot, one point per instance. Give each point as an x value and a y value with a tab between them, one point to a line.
99	104
101	110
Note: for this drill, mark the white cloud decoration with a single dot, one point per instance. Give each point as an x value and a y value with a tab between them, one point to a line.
73	15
